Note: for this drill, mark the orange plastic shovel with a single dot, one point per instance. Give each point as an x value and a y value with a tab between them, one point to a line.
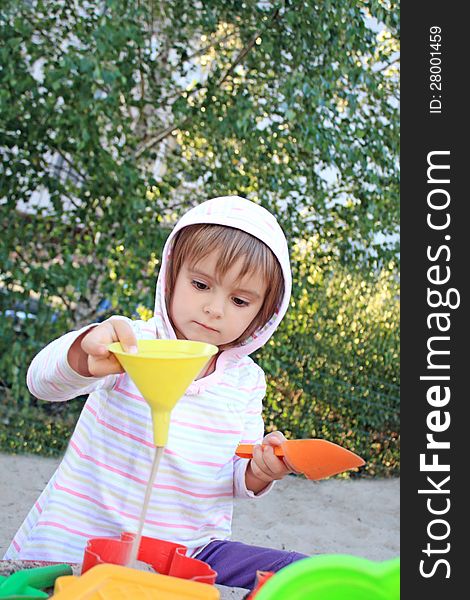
316	459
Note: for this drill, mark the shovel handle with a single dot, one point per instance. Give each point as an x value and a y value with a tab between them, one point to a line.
246	450
38	577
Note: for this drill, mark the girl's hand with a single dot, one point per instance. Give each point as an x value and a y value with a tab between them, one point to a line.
89	355
265	465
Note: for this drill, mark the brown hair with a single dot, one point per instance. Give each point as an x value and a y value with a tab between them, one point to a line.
194	242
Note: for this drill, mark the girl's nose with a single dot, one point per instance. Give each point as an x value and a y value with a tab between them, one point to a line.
214	308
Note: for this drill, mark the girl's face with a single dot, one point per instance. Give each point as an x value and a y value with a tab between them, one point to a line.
206	308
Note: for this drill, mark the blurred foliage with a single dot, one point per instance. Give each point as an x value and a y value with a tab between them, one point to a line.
125	114
333	365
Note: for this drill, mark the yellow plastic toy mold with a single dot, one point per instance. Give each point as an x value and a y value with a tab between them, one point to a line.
112	582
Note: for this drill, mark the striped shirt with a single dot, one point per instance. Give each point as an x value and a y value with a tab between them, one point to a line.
99	486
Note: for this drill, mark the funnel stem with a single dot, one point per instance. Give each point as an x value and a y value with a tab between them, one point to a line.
148	492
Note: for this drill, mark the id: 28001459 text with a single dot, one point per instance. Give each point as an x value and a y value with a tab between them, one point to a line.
435	77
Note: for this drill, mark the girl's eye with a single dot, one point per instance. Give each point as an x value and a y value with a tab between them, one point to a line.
199	285
240	302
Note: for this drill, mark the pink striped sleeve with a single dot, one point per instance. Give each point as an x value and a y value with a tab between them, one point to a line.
252	434
50	377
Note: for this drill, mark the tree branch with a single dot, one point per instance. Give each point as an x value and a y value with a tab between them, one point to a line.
241	55
246	49
387	65
161	135
205	48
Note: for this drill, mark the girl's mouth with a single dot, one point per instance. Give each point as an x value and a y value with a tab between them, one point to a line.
206	327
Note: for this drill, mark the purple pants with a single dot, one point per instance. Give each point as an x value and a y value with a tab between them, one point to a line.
236	563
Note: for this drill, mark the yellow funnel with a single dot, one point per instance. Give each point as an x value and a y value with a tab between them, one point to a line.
162	370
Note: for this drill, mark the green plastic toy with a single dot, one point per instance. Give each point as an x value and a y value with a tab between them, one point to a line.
334	577
28	583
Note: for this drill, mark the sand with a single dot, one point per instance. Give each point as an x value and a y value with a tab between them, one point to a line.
359	517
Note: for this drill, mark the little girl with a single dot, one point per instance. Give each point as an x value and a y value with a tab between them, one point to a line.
224	279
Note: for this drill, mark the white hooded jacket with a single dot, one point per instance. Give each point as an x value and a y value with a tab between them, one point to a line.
99	486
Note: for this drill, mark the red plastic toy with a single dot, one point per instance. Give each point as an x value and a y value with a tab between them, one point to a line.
261	578
165	557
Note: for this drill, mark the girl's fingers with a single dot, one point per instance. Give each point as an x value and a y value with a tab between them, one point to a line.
275	438
96	342
100	367
289	466
257	472
124	334
114	329
258	465
274	463
266	465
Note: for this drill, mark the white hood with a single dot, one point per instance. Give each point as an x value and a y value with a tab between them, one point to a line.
231	211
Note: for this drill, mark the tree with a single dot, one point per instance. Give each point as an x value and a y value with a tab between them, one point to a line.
148	107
